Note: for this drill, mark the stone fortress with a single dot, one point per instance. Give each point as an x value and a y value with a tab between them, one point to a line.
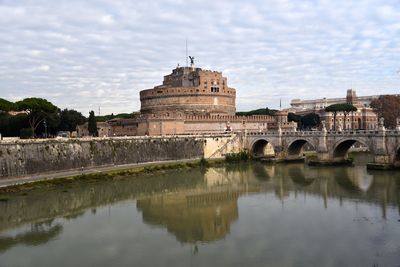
192	91
192	101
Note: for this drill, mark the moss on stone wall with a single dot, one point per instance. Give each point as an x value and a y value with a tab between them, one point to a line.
39	157
108	175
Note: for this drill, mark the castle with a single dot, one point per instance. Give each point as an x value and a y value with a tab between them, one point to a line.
192	101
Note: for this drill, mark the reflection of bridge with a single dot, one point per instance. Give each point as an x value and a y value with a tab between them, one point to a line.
331	146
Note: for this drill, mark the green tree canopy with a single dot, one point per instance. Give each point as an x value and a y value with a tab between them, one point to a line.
92	125
341	107
112	116
310	120
293	117
6	105
38	109
11	125
69	119
261	111
307	121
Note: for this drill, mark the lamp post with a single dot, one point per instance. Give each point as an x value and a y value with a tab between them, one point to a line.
45	128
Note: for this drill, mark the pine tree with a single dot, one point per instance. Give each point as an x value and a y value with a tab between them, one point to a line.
92	125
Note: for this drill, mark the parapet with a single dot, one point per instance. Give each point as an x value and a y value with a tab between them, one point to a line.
230	118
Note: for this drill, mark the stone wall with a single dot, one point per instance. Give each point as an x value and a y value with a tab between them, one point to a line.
31	157
189	100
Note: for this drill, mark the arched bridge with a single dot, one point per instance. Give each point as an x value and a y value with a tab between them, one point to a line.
331	146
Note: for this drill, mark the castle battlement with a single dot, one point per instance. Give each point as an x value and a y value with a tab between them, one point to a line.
230	118
162	91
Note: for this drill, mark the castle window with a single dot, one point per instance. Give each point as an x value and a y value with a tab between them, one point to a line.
214	89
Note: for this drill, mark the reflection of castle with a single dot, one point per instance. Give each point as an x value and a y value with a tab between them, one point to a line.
210	197
189	101
192	217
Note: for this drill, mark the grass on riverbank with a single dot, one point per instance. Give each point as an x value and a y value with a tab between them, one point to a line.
108	175
310	155
236	157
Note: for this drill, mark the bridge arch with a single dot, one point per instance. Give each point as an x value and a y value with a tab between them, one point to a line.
262	148
341	147
296	146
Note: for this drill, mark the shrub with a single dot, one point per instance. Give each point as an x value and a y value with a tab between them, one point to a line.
235	157
25	133
203	162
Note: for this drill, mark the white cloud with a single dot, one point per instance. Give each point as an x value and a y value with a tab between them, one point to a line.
103	53
61	50
34	53
43	68
107	20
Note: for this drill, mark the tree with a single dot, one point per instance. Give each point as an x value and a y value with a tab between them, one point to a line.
69	119
52	122
310	120
112	116
261	111
293	117
388	107
11	125
341	107
38	109
296	118
92	125
346	109
6	105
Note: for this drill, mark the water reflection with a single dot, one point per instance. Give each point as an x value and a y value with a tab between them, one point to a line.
38	234
194	205
192	217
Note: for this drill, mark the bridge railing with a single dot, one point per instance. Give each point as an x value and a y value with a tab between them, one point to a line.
285	133
318	133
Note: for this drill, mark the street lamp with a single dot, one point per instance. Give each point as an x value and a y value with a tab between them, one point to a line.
45	128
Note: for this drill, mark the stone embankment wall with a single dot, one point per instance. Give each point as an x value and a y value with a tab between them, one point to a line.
24	157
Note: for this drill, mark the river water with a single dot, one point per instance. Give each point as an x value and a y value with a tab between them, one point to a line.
234	215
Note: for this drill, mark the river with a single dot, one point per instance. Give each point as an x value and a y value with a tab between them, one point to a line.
247	214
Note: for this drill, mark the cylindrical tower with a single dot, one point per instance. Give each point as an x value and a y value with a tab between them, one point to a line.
191	91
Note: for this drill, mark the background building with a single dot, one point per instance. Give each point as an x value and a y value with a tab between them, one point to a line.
103	129
298	105
363	118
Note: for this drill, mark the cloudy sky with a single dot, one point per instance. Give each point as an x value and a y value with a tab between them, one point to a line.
85	54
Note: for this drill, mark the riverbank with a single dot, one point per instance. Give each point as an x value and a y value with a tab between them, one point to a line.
18	184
